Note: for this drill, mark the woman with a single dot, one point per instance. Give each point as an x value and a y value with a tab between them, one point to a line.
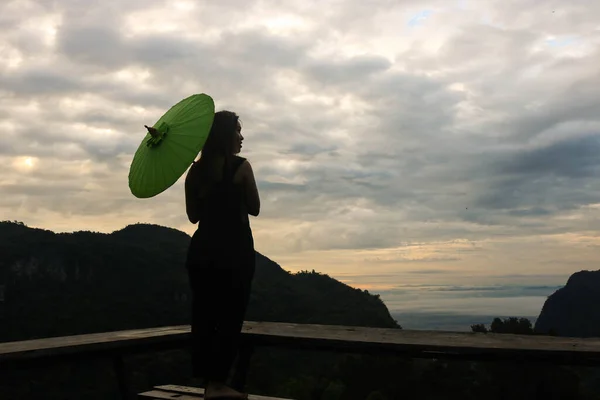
220	193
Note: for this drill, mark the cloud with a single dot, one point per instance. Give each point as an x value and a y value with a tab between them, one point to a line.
544	179
466	143
468	299
419	17
428	271
572	158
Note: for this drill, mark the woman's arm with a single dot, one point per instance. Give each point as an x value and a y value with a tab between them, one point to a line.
191	195
250	189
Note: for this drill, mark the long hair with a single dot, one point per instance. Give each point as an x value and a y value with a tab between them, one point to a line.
216	154
222	135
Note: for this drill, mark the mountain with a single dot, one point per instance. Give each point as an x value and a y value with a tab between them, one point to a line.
573	310
56	284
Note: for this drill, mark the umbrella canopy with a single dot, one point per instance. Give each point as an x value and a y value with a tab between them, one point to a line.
171	145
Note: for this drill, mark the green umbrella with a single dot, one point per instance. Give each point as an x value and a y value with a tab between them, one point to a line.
171	145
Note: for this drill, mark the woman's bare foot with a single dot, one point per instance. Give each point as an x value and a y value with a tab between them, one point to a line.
221	391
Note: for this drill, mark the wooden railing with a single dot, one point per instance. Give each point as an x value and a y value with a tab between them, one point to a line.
406	343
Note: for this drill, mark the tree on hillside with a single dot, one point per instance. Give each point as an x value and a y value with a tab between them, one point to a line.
515	380
512	325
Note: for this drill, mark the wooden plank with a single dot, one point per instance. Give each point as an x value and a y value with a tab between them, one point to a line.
189	390
196	391
428	344
121	341
159	394
258	332
185	392
281	332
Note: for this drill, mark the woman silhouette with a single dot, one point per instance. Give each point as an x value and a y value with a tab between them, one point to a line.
220	193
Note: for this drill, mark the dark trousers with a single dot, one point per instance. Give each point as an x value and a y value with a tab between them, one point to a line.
220	300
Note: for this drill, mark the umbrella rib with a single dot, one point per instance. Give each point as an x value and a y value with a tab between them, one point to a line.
138	172
187	134
183	146
190	116
148	171
172	144
171	167
175	175
159	175
187	110
183	107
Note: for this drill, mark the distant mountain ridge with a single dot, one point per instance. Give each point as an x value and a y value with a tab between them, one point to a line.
574	309
58	284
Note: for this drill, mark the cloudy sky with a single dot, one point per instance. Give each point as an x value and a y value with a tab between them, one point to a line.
394	142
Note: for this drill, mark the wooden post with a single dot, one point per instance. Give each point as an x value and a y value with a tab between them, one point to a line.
122	384
238	381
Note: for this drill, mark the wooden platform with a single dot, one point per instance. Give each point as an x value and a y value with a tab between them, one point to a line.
418	344
345	339
187	393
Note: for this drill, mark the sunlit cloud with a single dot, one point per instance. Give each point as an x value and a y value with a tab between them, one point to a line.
25	164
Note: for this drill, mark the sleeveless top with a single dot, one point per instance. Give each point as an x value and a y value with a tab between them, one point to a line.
224	227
